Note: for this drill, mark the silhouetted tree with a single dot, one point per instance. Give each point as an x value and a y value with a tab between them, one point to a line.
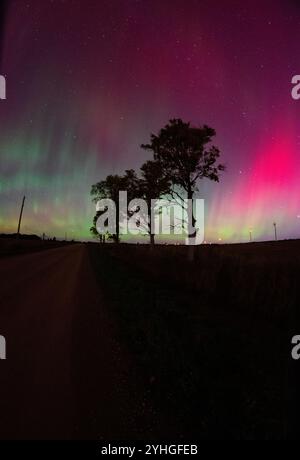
110	188
185	157
153	185
93	230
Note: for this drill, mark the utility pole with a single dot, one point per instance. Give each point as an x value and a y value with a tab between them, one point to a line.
21	214
250	235
275	230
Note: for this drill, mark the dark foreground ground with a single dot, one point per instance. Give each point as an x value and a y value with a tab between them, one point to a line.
25	245
65	376
109	342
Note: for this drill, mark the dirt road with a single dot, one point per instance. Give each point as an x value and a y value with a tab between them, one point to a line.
65	376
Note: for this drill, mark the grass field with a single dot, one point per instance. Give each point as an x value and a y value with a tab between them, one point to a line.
210	337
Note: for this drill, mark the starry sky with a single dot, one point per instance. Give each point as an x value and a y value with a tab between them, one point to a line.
89	80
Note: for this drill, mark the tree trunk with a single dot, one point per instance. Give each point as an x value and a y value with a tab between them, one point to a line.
152	235
152	239
191	227
117	239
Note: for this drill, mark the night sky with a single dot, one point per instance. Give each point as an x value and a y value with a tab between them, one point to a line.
89	80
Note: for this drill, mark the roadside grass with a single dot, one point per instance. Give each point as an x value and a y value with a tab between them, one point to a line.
208	337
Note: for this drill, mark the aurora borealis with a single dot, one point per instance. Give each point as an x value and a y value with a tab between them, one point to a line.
89	80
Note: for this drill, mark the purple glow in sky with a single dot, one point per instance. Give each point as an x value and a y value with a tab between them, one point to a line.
88	81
